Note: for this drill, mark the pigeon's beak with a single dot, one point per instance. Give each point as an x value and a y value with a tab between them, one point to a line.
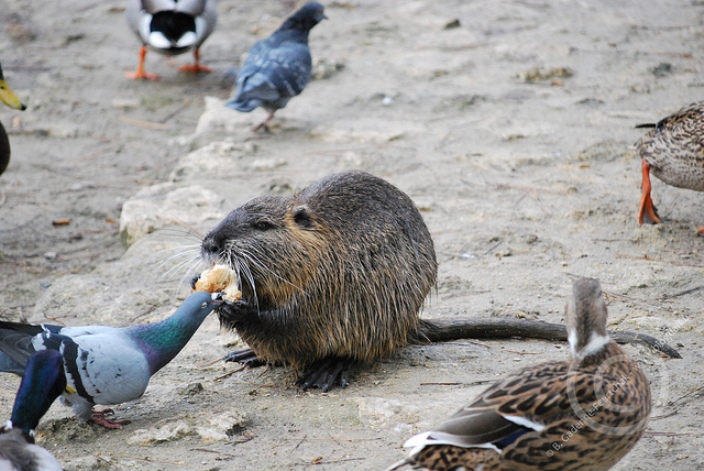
217	299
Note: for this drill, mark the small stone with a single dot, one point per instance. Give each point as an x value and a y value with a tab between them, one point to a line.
190	389
662	70
452	24
125	103
263	165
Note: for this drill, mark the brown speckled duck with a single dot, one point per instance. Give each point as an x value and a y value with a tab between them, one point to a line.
582	414
8	97
674	152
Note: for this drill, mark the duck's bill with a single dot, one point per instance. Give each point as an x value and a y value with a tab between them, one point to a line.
8	97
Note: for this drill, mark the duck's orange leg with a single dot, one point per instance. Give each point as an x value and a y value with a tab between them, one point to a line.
197	66
140	74
646	202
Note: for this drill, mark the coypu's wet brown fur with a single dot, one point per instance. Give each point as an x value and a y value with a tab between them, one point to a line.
337	274
341	270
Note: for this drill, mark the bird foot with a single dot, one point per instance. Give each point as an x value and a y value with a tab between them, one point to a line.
99	418
700	230
195	68
141	75
324	373
246	357
263	125
646	206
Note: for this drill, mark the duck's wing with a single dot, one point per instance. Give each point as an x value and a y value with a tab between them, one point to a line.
524	402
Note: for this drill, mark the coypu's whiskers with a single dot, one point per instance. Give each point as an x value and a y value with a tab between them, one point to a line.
192	267
181	257
188	231
238	262
242	264
244	273
172	258
257	262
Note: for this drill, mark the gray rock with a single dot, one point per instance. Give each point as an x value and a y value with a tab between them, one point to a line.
166	204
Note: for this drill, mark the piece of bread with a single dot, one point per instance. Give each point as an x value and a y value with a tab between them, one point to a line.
220	278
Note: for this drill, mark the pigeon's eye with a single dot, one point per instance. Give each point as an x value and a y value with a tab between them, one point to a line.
204	305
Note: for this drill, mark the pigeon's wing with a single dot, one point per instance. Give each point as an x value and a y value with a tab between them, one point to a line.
16	340
86	330
105	368
8	365
271	73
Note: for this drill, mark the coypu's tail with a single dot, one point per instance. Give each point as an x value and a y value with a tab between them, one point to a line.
496	328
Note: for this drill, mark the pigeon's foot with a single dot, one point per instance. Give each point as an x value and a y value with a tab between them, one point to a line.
264	124
246	357
100	419
324	373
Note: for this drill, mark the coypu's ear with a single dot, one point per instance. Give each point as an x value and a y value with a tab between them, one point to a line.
303	217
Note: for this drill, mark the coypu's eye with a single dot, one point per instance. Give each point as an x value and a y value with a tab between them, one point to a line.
263	225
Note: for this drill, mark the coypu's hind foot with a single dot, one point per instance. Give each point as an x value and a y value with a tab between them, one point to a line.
323	374
246	357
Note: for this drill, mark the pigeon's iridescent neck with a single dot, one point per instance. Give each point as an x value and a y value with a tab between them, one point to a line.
162	341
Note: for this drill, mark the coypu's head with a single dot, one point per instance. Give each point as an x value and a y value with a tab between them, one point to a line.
273	243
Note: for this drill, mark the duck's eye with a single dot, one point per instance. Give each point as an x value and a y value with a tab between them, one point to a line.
263	225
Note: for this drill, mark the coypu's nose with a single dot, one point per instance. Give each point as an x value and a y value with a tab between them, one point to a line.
210	245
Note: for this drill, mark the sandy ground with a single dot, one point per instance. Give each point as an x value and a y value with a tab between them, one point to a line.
509	123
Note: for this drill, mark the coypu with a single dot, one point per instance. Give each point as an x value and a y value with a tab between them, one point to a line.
336	275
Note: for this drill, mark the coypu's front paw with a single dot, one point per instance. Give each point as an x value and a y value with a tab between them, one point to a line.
232	312
194	280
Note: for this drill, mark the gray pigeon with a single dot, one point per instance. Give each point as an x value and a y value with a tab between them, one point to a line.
43	382
171	27
278	67
106	365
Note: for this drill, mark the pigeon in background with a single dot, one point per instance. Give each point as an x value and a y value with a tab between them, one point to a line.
106	365
43	382
278	67
171	27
